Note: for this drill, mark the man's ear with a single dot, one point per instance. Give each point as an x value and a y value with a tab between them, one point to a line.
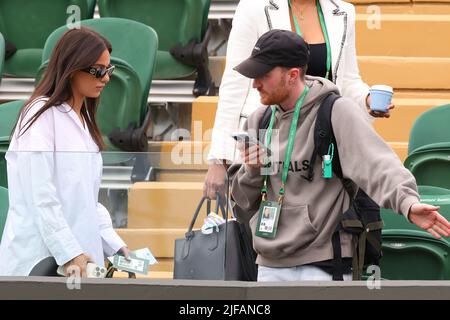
294	75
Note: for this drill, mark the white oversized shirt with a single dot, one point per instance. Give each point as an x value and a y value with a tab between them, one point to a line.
54	174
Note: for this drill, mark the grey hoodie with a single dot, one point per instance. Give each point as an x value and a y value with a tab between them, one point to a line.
311	210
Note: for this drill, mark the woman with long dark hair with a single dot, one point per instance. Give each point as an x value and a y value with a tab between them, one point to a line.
54	165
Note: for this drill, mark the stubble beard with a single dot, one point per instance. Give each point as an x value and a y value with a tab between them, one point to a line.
277	96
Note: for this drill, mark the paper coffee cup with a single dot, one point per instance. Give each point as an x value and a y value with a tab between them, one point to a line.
380	97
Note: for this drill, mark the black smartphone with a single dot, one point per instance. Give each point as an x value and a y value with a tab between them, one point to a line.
249	140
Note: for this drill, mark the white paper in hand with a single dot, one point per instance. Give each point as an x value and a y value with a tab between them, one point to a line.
145	254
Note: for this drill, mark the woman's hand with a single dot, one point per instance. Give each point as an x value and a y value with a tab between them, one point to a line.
215	181
125	252
378	114
77	266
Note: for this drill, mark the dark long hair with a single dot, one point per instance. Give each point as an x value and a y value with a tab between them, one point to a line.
77	49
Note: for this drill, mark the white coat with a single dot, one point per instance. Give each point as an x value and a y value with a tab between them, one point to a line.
54	174
253	18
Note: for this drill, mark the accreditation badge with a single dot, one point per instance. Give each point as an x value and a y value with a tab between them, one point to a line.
269	214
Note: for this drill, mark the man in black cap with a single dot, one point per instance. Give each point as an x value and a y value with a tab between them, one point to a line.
306	210
273	56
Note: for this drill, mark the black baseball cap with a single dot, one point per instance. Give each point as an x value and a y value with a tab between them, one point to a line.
276	48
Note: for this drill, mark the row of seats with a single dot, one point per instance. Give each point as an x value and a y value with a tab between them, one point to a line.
182	33
409	252
123	116
27	24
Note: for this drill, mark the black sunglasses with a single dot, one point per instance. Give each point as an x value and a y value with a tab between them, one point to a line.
99	73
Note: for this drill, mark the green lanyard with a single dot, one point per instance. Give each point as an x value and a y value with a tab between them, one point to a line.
290	146
324	30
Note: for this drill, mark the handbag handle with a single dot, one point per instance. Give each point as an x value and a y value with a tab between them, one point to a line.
111	270
219	204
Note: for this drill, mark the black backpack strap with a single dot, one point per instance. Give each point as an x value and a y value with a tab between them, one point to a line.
324	136
264	123
338	268
265	119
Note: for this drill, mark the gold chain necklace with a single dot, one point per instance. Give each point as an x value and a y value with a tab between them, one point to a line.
300	11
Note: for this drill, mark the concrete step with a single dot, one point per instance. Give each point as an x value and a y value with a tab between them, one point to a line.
403	7
379	33
203	117
164	204
181	176
180	155
180	161
161	241
406	72
423	94
413	72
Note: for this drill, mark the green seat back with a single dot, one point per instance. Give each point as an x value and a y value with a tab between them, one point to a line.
428	194
2	55
91	8
175	21
430	127
132	42
27	24
430	164
410	255
9	113
3	209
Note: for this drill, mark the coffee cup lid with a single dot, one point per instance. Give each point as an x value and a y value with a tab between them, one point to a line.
382	87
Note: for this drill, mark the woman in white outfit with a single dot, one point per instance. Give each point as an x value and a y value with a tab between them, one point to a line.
329	28
54	165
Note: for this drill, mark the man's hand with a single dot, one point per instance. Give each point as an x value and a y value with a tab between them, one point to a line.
80	262
428	218
253	156
378	114
215	181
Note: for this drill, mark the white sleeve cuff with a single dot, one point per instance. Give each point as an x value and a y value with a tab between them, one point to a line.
63	246
111	242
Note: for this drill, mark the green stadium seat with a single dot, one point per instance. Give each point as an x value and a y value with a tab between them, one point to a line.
429	128
430	164
3	209
182	33
428	194
2	55
9	113
123	115
410	253
429	148
91	8
27	24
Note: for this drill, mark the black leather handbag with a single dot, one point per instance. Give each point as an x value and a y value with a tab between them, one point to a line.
223	255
